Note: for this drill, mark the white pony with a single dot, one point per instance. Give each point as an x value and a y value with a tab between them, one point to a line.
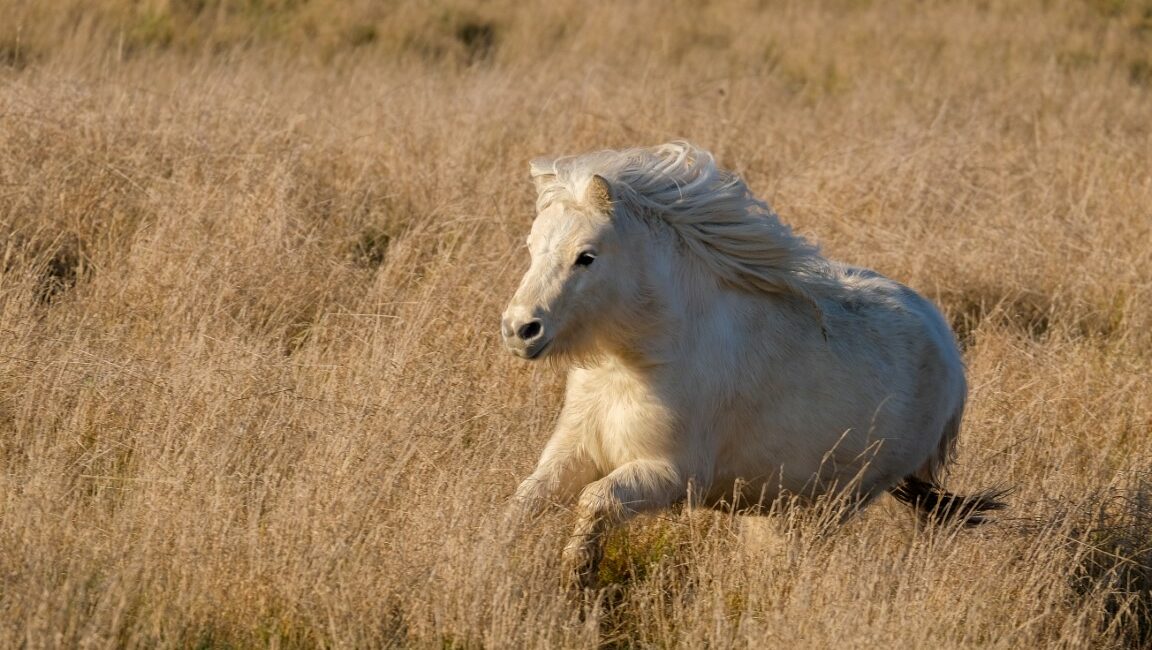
715	352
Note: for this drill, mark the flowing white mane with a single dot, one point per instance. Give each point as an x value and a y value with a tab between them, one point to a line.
711	210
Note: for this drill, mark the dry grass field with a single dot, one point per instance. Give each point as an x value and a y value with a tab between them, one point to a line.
253	255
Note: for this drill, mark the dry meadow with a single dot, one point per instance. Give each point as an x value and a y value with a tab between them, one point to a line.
253	255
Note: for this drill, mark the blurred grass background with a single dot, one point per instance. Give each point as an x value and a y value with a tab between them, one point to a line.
253	255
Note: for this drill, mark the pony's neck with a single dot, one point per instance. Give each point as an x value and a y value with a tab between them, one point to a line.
678	294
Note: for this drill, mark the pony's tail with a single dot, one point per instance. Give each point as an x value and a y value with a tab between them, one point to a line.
933	504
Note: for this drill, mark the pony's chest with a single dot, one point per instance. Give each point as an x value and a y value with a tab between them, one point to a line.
624	419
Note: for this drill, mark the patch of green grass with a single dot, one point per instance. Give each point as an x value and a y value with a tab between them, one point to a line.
635	553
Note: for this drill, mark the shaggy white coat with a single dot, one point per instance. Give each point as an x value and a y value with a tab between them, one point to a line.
711	349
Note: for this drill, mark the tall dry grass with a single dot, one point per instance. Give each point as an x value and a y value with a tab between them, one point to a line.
253	256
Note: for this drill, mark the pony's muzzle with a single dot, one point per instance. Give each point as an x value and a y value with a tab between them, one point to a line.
524	337
530	331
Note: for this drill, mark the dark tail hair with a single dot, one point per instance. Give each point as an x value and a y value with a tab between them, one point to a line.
933	504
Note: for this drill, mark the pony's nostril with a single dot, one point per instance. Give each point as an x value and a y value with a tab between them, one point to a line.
529	330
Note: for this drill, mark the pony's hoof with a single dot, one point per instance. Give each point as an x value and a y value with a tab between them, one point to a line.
581	565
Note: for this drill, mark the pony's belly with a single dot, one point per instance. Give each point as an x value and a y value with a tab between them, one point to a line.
740	493
802	463
752	492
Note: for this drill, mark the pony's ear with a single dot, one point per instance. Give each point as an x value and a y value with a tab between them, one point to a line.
598	194
543	172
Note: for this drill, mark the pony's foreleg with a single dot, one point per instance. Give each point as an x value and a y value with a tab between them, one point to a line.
563	470
630	489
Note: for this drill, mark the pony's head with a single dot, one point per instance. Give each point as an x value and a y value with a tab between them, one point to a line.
584	274
598	275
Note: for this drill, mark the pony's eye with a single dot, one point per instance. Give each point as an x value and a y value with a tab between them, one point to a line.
585	259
